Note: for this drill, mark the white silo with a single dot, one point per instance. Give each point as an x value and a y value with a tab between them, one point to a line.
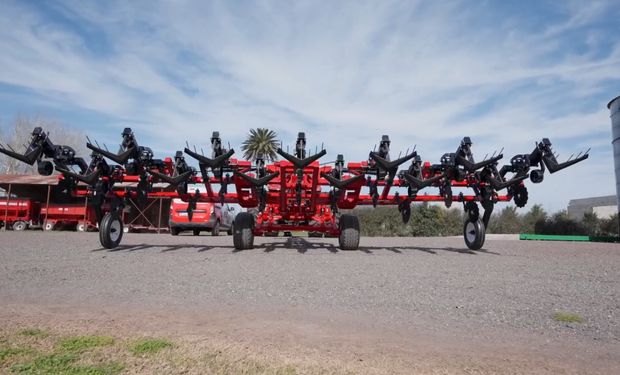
614	109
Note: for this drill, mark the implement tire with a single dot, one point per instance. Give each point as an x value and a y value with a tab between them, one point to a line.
243	231
110	231
474	234
349	232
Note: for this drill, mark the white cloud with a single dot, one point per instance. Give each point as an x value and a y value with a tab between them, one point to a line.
346	73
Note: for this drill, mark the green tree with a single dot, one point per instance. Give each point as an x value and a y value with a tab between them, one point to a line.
609	227
535	215
507	221
260	142
591	222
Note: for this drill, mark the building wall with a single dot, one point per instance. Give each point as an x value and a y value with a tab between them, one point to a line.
604	207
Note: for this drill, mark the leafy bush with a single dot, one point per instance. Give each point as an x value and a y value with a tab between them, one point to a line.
435	220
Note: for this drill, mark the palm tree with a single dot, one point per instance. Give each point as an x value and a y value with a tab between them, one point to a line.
260	142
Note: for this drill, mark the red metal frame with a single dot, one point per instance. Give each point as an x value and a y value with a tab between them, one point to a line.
283	211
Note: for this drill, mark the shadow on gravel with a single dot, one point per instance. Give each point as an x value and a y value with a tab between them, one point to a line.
300	244
166	248
430	250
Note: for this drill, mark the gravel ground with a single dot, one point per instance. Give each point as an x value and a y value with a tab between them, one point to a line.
509	290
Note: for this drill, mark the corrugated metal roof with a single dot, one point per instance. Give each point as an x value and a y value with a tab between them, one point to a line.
35	179
28	179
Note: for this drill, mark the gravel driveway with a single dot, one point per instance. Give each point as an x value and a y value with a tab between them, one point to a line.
392	289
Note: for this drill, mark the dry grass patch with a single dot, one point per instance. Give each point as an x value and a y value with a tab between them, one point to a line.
149	346
52	352
33	332
567	317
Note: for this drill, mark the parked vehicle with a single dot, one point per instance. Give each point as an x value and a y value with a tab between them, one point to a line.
212	217
19	214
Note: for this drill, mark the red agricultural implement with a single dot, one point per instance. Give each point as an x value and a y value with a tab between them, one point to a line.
80	216
19	214
296	193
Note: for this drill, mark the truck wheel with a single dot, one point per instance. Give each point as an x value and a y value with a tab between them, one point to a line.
110	231
81	227
349	232
174	231
215	231
474	234
49	225
20	225
196	232
243	232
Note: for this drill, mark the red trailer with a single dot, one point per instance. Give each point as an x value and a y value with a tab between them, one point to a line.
79	215
19	214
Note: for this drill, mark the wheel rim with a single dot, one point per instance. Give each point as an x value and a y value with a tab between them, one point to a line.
115	230
470	232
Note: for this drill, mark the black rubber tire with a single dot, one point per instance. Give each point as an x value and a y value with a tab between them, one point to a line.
45	168
20	225
474	234
215	231
110	231
174	231
196	232
349	232
243	232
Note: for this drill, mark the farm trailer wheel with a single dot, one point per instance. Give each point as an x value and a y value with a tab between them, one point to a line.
20	225
243	231
349	232
110	231
474	234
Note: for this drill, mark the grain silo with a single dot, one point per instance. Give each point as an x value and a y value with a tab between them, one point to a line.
614	109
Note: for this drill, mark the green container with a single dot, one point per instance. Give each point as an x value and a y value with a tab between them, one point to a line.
555	237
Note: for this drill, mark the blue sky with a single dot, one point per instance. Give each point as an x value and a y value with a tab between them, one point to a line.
427	73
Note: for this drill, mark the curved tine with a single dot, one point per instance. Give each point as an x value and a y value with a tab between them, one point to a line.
553	165
28	158
257	182
341	184
499	185
472	167
212	163
390	165
420	184
220	160
174	181
89	179
121	158
301	163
